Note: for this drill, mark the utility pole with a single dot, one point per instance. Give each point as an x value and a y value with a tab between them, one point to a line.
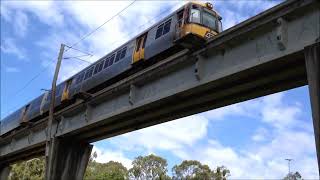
49	141
289	160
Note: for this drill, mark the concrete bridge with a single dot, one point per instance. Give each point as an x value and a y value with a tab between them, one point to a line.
274	51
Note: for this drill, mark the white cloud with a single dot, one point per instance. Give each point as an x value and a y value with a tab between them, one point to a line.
47	12
9	46
104	156
234	13
12	69
260	135
166	136
21	23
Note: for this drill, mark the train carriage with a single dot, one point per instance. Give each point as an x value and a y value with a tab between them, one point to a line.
188	27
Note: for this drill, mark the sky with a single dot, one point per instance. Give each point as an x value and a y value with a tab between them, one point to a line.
251	138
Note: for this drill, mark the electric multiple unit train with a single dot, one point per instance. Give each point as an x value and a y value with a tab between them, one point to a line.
188	27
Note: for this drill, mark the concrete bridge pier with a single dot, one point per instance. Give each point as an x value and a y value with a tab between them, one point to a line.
69	159
312	58
4	171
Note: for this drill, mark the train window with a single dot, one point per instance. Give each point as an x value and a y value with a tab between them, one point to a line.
79	78
123	52
159	31
98	67
88	73
106	62
166	28
195	16
118	56
111	60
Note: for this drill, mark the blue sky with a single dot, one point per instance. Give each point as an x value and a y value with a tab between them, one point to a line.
251	138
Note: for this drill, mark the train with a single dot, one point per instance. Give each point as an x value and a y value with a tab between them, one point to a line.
188	27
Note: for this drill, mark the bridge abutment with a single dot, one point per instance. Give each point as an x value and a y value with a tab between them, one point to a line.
312	58
69	159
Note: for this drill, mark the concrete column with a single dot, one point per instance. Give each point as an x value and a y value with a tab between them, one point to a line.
312	58
69	159
4	171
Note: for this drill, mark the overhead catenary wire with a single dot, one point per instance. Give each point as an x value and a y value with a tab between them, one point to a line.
77	58
84	52
90	33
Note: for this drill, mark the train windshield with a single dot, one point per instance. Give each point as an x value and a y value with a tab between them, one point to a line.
205	17
209	20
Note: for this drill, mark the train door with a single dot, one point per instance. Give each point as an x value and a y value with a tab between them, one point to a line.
65	93
139	48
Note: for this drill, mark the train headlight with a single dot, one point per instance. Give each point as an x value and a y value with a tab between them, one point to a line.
209	5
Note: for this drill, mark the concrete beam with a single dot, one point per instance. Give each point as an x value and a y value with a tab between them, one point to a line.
312	58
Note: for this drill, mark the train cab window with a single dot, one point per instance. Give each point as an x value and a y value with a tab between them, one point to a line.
209	20
123	52
88	73
111	60
118	56
98	67
166	28
106	62
159	31
195	16
219	26
79	78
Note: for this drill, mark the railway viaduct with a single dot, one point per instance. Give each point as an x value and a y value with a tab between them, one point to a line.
274	51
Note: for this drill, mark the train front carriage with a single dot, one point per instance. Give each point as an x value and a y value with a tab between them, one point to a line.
198	22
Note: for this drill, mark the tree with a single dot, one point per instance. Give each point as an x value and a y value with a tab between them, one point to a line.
221	173
191	170
111	170
149	167
293	176
33	169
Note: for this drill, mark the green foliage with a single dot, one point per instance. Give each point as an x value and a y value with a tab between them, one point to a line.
191	170
33	169
108	171
194	170
221	173
293	176
149	167
144	168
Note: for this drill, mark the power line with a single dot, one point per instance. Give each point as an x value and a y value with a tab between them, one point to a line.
78	59
90	33
84	52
